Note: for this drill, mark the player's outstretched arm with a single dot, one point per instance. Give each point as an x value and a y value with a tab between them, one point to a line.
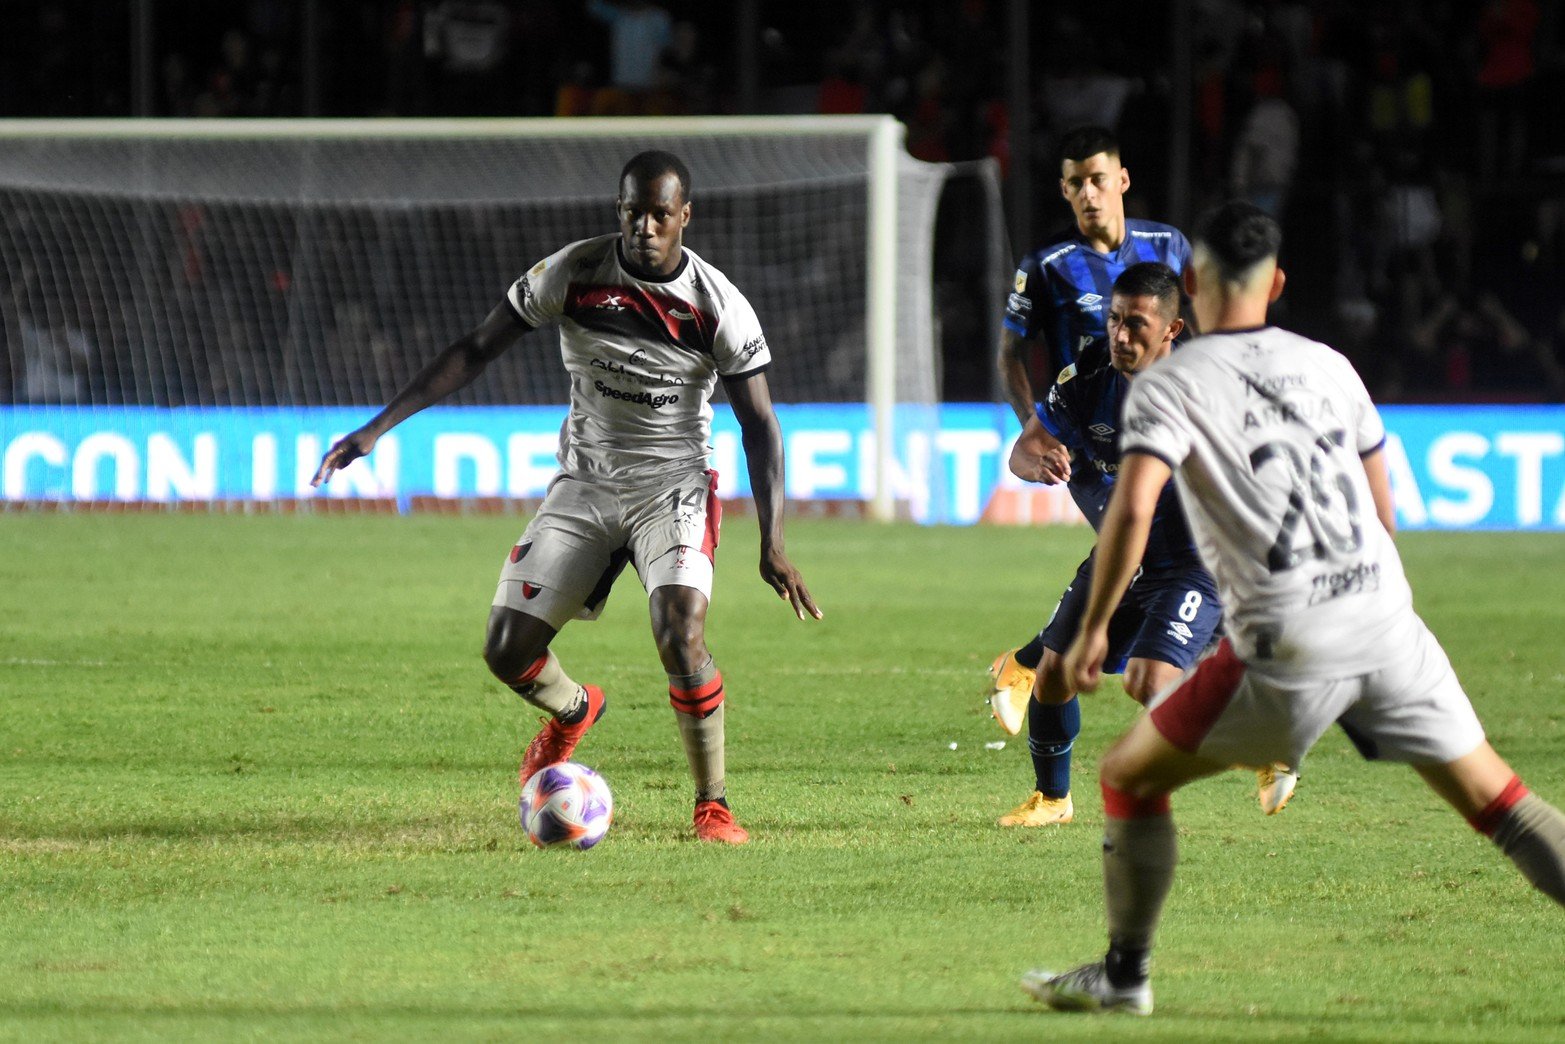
751	398
1122	541
454	368
1038	456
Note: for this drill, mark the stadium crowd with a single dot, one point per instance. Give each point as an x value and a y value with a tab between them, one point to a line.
1406	145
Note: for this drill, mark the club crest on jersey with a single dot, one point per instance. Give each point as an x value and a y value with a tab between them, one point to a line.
1021	280
530	590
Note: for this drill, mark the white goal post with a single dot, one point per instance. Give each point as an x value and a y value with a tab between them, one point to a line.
800	210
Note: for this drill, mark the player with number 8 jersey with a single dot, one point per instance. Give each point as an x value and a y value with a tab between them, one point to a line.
1167	618
646	330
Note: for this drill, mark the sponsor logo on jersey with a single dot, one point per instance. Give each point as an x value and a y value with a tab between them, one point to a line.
685	316
1089	299
626	371
656	402
1261	386
1358	578
1180	631
612	303
1141	233
1021	281
754	346
1061	252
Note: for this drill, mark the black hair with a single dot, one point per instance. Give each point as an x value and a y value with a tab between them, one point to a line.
647	167
1151	279
1082	142
1239	235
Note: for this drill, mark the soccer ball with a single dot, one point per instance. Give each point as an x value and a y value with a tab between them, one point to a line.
566	805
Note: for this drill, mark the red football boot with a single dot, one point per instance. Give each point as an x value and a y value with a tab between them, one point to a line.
715	823
556	742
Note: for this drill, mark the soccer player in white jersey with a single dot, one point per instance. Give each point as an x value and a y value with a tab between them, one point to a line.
1277	452
646	329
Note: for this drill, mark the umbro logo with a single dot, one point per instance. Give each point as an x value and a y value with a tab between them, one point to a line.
1088	300
1180	631
1101	430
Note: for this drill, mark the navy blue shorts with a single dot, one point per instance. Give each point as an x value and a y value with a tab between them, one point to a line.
1167	615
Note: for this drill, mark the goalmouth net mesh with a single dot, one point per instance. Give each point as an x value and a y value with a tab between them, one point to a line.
249	265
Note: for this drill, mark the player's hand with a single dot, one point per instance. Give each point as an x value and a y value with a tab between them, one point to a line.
1054	466
1084	660
1049	467
347	450
1037	456
777	571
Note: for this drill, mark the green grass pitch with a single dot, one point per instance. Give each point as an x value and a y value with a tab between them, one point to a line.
255	783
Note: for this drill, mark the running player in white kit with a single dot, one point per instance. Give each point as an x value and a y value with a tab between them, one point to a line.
646	329
1277	453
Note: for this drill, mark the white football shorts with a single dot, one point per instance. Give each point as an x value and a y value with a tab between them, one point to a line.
585	532
1413	710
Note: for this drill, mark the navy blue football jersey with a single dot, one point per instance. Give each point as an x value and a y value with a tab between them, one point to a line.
1083	412
1061	291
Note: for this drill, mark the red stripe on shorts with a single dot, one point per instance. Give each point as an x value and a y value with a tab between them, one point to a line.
714	518
1191	710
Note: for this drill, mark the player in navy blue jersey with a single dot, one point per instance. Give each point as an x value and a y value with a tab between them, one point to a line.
1172	610
1060	294
1057	310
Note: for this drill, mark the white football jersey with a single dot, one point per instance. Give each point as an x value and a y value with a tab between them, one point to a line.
644	356
1264	430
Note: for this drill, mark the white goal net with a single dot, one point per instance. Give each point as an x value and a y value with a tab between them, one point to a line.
321	263
290	264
